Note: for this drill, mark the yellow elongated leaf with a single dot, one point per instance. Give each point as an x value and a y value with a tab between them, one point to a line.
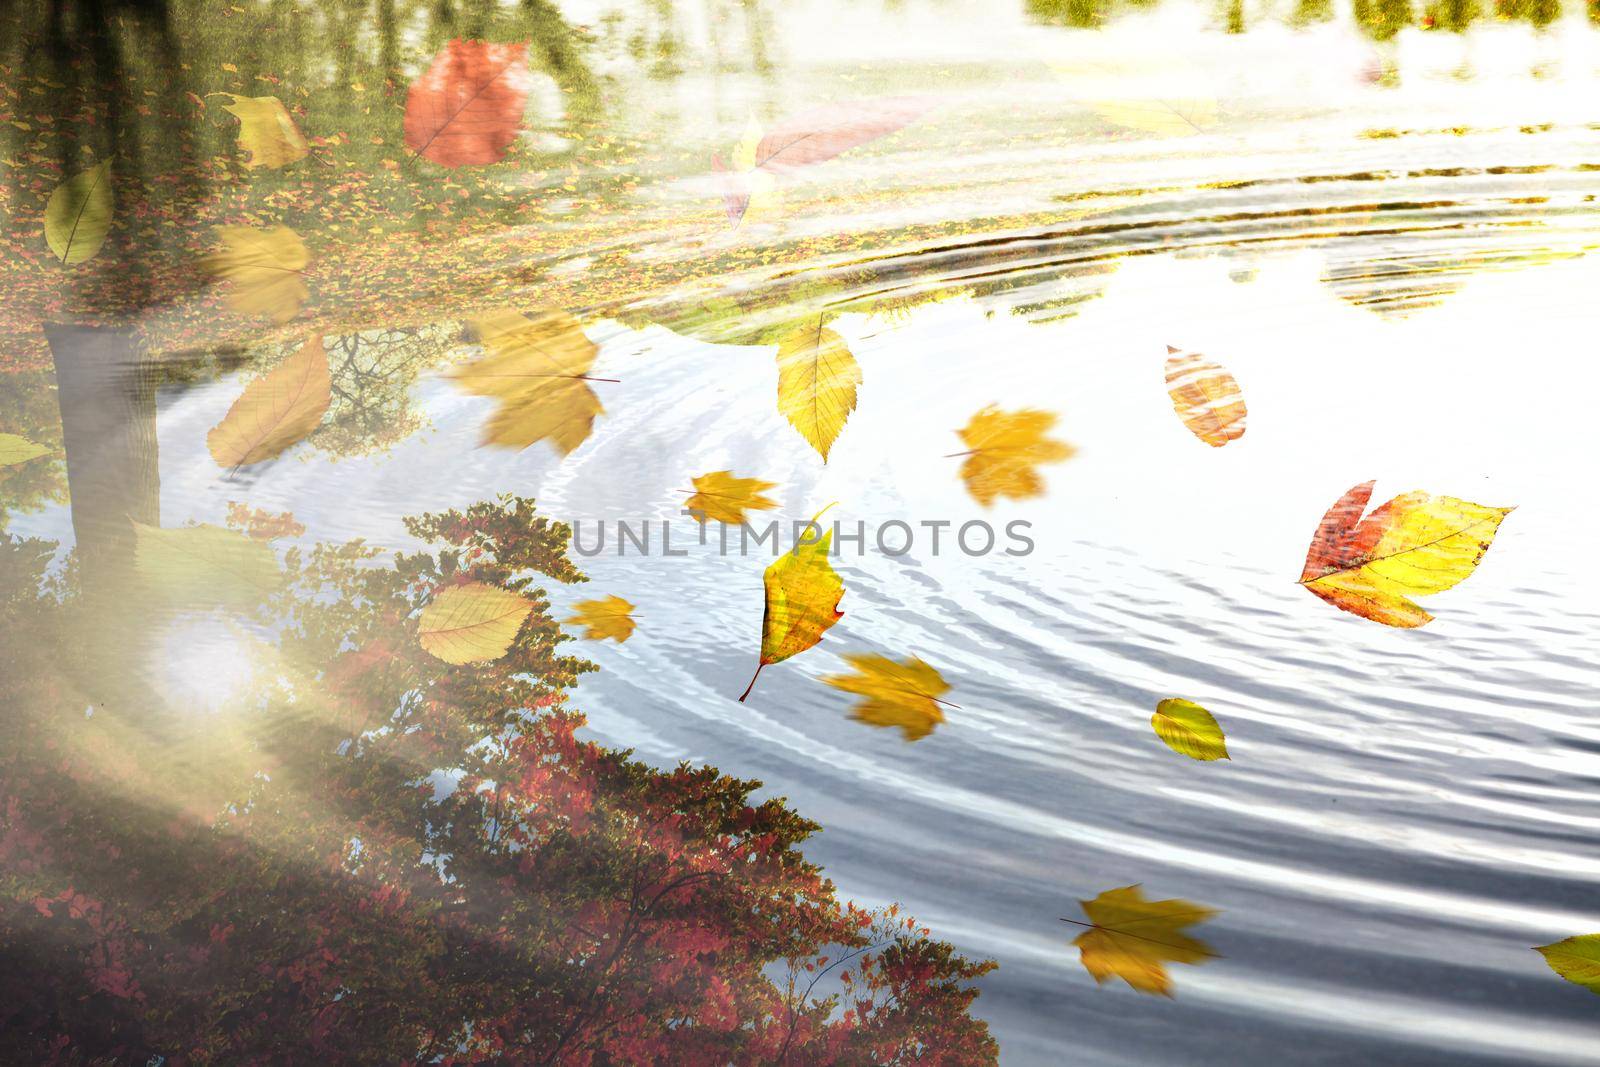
78	215
1134	939
1206	398
1189	729
1181	116
16	450
817	380
205	565
266	130
896	694
1577	959
803	594
265	268
610	617
274	411
725	497
1414	545
1004	448
536	368
472	623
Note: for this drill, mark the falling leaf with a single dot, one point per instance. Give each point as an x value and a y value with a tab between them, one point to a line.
266	130
536	369
78	215
1414	545
265	268
748	193
817	380
611	617
1577	959
466	108
1177	117
803	594
897	694
1189	729
15	450
1206	398
722	496
1003	450
205	565
1134	939
472	623
820	135
274	411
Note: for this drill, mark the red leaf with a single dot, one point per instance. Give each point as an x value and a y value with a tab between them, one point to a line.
1335	542
818	136
467	106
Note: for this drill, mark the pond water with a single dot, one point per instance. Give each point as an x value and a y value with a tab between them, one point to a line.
1383	238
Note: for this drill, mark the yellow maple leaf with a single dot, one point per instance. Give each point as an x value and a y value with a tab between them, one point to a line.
897	694
1189	729
266	130
472	623
275	410
817	380
725	497
265	267
1414	545
536	368
1134	939
802	602
1004	447
611	617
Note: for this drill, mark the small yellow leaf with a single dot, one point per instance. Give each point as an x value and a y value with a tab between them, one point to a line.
274	411
803	594
265	267
536	369
15	450
266	130
1577	959
472	623
205	565
1003	450
611	617
78	215
817	380
1134	939
722	496
897	694
1189	729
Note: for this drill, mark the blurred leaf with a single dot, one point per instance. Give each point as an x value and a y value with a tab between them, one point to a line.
1189	729
722	496
472	623
78	215
266	130
15	450
536	369
1414	545
819	135
205	565
1004	447
611	617
897	694
274	411
265	268
466	108
1134	939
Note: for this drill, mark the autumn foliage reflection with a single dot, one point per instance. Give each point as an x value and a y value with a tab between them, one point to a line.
374	856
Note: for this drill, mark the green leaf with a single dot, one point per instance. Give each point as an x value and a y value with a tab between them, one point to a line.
1577	959
78	215
15	450
1189	729
205	565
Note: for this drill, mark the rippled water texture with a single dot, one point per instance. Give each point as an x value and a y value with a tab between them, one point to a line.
1386	242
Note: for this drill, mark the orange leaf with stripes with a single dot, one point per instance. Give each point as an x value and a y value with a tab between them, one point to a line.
1206	397
472	623
466	108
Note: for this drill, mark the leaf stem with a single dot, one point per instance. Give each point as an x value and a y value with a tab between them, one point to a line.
752	684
